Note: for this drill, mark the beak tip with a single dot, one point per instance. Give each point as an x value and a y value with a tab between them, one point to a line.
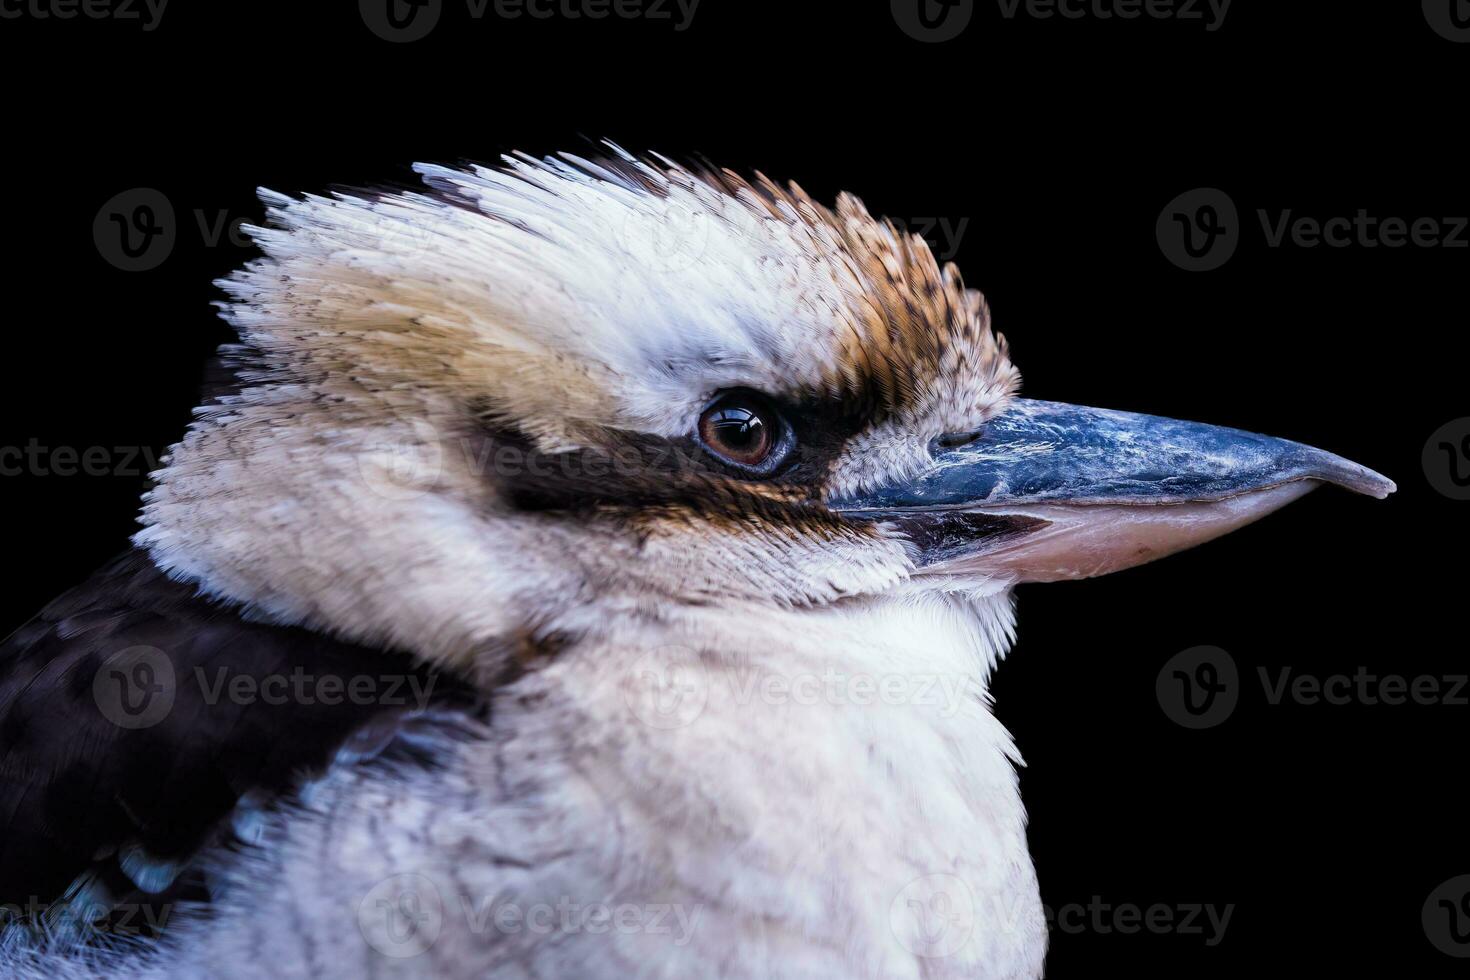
1352	476
1384	488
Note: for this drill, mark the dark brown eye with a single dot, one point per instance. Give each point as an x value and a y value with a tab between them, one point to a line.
745	430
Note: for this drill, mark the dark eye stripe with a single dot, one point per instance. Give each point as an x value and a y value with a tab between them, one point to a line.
629	471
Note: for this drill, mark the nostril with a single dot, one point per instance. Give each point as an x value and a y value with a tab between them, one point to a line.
954	440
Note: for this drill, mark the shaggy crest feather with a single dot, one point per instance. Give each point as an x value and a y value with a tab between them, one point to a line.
565	280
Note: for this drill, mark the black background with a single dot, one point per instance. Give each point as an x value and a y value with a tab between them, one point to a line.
1326	826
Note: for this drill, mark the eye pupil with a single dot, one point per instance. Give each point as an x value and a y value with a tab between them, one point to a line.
738	427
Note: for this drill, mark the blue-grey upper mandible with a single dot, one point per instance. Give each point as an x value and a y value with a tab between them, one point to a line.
1041	452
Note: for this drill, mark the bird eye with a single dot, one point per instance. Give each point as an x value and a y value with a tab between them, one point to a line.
744	429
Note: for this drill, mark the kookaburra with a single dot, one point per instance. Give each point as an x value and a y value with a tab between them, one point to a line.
595	570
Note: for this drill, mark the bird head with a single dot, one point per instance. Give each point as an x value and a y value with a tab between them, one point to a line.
549	395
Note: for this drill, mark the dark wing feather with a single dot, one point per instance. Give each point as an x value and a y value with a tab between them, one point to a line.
77	789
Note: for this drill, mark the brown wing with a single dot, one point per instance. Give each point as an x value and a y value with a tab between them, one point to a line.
135	714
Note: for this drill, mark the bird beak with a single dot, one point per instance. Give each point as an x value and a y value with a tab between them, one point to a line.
1047	491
